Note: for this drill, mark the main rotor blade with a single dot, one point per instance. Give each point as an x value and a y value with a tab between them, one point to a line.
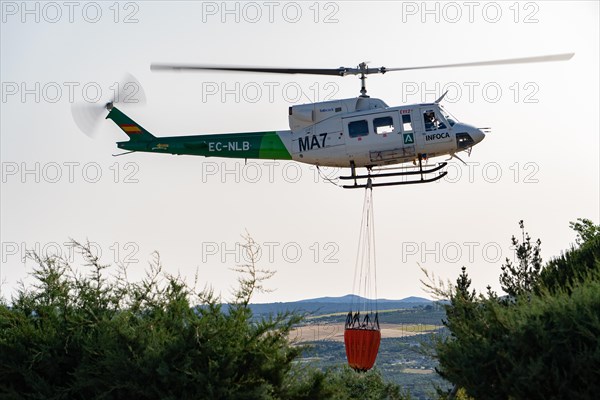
524	60
311	71
343	71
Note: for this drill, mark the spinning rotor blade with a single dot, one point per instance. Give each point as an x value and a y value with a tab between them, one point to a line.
310	71
343	71
362	69
88	116
524	60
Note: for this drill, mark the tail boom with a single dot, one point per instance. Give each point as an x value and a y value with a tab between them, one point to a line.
251	145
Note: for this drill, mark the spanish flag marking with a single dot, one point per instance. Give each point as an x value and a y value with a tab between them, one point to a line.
131	128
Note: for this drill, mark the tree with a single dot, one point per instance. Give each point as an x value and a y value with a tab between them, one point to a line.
543	345
577	265
74	336
585	229
463	283
520	278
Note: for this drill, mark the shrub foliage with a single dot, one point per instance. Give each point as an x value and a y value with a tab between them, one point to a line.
93	336
542	340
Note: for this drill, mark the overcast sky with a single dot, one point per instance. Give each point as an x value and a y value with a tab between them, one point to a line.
540	163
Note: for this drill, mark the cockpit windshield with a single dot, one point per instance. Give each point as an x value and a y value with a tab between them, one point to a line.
449	117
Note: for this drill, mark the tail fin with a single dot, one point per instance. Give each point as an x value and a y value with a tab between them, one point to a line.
135	132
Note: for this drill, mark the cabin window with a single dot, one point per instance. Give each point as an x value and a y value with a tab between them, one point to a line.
383	125
358	128
406	123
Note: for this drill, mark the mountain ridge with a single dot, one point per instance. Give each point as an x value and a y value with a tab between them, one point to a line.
353	297
324	305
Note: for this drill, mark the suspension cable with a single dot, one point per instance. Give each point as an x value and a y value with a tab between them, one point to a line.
365	271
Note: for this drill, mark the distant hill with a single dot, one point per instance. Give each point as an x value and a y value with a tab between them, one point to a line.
347	299
329	305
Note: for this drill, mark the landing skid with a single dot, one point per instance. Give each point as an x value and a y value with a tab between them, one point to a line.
420	172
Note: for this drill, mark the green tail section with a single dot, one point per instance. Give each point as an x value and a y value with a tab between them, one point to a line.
251	145
135	132
258	145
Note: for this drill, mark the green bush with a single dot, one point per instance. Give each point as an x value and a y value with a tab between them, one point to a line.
541	342
344	383
90	337
573	267
544	348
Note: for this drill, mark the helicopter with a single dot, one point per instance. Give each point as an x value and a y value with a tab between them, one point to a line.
359	132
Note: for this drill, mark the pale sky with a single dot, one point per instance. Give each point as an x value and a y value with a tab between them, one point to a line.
540	163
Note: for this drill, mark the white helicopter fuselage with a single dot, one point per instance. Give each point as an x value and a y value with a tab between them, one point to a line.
365	132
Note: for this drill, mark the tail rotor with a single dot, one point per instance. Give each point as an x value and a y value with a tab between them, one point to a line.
88	116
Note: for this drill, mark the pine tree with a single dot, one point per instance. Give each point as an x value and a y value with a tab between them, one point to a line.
520	278
585	229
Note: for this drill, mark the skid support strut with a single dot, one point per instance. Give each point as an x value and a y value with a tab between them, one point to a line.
373	175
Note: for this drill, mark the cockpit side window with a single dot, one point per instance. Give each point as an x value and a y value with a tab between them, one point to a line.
441	124
432	122
449	117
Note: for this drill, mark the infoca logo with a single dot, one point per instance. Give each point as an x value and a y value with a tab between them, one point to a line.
437	136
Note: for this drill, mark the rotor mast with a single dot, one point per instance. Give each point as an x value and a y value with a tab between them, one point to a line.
363	79
362	70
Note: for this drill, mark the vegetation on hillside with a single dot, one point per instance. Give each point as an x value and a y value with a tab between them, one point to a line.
86	334
92	336
541	340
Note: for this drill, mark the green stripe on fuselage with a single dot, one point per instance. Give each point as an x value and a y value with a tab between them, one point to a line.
266	145
254	145
271	147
